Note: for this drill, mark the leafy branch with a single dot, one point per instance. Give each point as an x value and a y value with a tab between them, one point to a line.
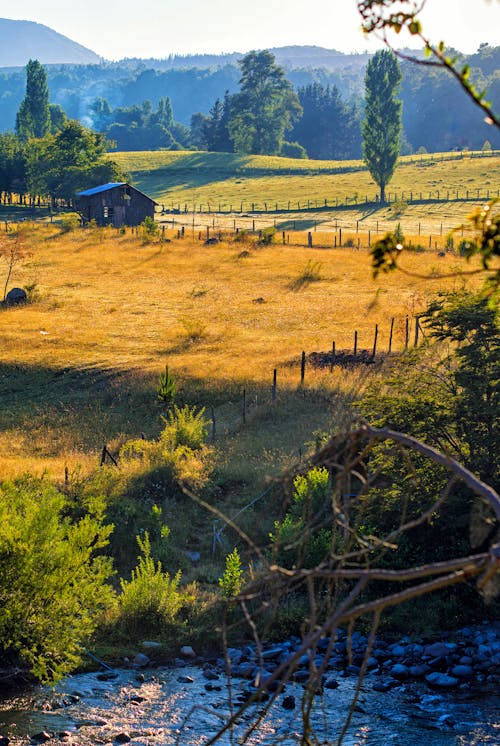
381	16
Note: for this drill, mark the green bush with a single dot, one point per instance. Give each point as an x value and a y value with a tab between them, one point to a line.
184	427
151	598
166	388
70	223
232	580
293	150
52	585
300	539
267	236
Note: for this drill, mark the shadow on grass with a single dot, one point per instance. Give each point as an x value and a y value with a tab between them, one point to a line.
296	225
74	408
199	169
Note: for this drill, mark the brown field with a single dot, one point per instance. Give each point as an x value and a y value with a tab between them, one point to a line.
79	366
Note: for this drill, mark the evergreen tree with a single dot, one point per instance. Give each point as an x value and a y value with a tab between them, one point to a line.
382	124
265	107
328	127
33	117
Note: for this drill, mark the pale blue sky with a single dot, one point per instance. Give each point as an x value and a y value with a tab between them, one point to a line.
156	28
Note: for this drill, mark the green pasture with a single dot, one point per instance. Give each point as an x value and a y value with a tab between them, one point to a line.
227	181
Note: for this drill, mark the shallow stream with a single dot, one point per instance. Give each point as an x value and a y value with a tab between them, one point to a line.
179	706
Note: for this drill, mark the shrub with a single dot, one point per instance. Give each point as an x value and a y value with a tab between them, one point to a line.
180	452
300	539
310	273
149	229
267	236
399	207
486	147
293	150
349	243
70	223
184	427
194	329
232	580
151	598
398	234
166	388
52	585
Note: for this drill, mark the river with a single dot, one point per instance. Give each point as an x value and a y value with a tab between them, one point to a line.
179	706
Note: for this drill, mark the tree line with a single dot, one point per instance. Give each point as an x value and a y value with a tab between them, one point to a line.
435	116
50	155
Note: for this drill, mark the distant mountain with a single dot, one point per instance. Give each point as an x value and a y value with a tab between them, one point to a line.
25	40
291	58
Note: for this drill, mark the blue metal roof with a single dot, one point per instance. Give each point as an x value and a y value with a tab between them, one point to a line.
103	188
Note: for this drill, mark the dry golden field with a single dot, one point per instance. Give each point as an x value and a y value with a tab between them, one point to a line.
78	367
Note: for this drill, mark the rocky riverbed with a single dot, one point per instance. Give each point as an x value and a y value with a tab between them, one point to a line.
441	693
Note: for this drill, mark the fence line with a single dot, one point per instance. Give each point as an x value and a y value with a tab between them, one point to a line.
272	207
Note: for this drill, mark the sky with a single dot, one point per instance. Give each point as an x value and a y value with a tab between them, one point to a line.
115	29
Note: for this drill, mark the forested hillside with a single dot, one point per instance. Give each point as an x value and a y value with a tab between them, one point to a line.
435	114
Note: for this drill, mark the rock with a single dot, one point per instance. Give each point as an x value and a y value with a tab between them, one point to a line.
150	644
446	721
137	698
331	684
210	674
107	676
462	671
185	679
384	686
16	295
141	660
188	652
122	738
441	680
193	556
212	688
288	702
436	650
41	737
63	735
4	741
398	651
353	670
419	671
400	671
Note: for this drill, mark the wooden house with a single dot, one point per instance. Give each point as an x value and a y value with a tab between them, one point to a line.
114	204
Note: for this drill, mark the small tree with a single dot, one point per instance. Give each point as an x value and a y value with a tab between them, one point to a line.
12	253
166	388
232	580
382	123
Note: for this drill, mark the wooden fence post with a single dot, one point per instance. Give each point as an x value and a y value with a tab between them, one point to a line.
244	409
273	390
375	341
309	239
390	336
302	367
417	328
407	333
213	424
355	344
332	361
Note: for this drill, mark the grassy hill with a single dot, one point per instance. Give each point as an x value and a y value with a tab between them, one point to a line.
236	181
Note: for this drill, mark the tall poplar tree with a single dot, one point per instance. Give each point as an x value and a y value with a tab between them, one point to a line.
33	117
382	123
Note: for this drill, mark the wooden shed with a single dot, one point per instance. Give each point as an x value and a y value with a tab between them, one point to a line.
114	204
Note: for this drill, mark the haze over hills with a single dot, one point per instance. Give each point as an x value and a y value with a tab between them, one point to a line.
25	40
